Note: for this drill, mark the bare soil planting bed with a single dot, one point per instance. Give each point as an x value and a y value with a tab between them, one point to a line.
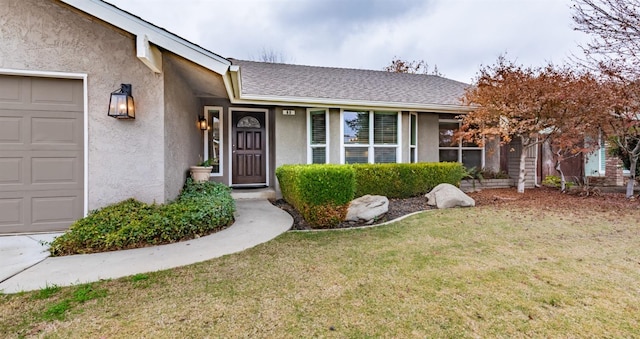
542	197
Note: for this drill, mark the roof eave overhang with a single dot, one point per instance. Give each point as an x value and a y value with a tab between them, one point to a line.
153	34
233	81
347	104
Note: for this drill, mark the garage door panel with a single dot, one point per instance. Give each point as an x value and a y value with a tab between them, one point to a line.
11	212
11	130
11	171
54	209
52	94
41	153
54	131
12	90
55	170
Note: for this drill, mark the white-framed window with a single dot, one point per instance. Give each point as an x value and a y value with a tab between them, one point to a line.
370	137
213	139
467	153
317	136
413	138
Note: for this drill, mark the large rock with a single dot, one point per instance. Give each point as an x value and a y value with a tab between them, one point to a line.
367	208
448	196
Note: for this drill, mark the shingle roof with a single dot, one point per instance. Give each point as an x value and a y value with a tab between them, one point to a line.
284	80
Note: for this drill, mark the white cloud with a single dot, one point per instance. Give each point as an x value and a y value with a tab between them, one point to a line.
456	35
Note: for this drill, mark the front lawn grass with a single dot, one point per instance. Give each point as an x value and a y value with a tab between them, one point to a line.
483	272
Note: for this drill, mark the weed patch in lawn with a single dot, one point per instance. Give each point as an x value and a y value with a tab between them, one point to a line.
57	310
47	292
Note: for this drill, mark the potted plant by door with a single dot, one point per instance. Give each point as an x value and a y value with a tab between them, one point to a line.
200	173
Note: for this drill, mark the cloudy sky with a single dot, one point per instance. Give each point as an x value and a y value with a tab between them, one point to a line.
456	35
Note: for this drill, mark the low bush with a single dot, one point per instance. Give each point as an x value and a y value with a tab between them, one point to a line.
321	193
201	208
554	181
405	180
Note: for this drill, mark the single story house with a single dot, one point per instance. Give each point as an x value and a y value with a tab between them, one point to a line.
61	155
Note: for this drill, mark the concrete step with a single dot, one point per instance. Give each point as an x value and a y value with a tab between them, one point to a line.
253	193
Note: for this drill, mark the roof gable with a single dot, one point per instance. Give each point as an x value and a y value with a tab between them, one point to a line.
154	34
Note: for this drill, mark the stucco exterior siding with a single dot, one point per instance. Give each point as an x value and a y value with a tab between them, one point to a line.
492	155
290	137
334	135
406	137
183	139
46	36
428	137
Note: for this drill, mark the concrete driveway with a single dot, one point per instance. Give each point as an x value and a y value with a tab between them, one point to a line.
19	252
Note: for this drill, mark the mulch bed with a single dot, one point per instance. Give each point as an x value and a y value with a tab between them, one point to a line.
543	198
397	208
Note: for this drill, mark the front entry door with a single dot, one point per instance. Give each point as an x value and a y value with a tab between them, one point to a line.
248	148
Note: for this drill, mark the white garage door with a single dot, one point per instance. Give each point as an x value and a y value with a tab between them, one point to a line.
41	153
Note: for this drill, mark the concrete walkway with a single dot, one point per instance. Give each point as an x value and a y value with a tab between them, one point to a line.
257	221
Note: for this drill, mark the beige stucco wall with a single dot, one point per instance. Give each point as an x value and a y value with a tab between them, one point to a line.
334	135
124	156
428	137
492	154
183	141
290	137
406	136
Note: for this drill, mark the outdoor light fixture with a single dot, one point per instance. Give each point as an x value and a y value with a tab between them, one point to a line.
202	123
121	103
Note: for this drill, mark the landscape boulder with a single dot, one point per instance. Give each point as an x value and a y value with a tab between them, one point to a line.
367	208
448	196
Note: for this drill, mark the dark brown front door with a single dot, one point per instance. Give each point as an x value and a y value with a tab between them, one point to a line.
248	148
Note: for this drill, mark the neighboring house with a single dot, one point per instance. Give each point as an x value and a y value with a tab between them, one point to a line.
61	155
598	167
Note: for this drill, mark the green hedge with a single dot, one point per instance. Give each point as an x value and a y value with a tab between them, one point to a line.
405	180
321	193
200	209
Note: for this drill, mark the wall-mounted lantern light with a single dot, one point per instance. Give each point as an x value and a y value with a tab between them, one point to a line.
121	103
202	123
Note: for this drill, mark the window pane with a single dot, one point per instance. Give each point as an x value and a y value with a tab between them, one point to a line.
384	155
413	152
449	155
318	155
447	129
356	155
472	158
356	127
414	130
385	128
469	144
318	128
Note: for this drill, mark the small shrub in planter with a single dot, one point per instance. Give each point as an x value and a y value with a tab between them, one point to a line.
201	208
405	180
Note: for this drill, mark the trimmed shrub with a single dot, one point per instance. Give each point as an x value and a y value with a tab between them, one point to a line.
321	193
201	209
405	180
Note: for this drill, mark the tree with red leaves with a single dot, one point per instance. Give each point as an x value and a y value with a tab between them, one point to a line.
615	51
533	105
